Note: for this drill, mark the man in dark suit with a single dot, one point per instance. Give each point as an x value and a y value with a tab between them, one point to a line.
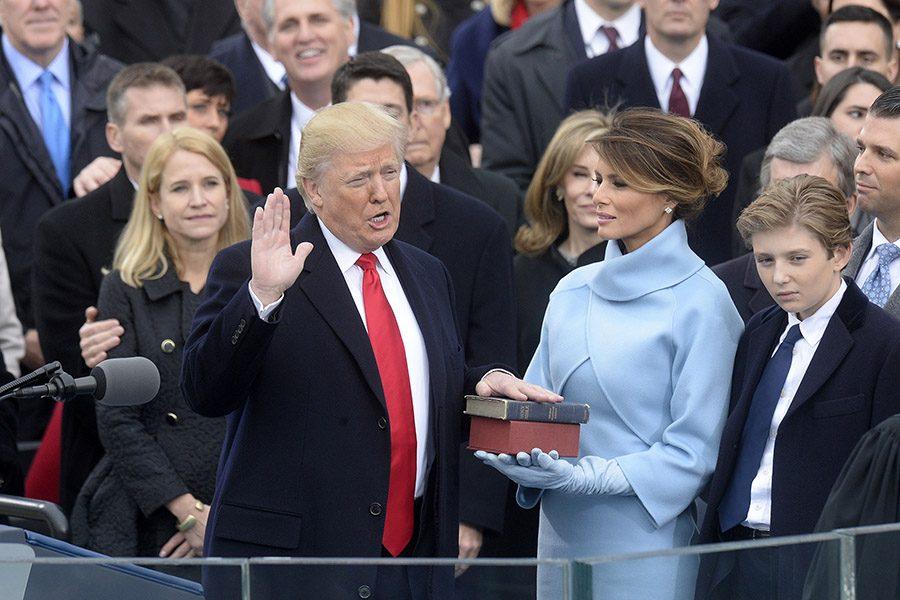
75	241
427	152
874	263
136	31
248	55
740	96
812	146
334	299
811	376
525	78
38	176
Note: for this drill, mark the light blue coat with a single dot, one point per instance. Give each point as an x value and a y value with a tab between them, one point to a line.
648	340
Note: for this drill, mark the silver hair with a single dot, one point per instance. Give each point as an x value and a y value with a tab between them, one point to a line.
347	8
409	55
806	140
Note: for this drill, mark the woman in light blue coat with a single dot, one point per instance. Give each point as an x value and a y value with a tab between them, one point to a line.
647	338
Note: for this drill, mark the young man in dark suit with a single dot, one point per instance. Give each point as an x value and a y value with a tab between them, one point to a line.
38	166
874	263
811	376
812	146
365	468
75	242
740	96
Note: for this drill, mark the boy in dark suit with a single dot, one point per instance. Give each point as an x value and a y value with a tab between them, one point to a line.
812	374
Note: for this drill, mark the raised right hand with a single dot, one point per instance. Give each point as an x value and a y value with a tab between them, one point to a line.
274	266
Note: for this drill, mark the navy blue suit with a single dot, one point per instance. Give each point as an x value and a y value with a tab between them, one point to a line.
850	386
744	101
305	463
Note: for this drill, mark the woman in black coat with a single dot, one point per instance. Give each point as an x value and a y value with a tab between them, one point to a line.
147	496
561	233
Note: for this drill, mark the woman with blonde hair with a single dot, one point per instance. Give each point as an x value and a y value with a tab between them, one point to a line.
148	495
647	338
561	233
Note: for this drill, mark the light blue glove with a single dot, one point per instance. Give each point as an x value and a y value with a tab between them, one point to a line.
539	470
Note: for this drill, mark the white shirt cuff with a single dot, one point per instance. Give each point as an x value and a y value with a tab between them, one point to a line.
264	311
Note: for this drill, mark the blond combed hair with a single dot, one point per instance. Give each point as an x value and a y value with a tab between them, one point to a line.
345	128
658	153
544	210
145	247
804	200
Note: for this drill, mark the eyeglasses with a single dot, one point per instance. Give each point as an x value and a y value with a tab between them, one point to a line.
426	106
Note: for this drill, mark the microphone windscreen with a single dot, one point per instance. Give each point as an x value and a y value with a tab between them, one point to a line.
126	381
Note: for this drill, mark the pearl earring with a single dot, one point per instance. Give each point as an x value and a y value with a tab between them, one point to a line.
160	217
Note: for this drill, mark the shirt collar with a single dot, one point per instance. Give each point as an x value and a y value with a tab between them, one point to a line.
628	25
404	178
693	68
274	69
877	240
300	113
813	326
346	256
27	71
436	176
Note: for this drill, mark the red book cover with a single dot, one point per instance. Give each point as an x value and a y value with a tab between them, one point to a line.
511	437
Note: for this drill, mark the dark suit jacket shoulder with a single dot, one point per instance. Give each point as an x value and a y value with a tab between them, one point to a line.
497	191
744	285
253	84
257	142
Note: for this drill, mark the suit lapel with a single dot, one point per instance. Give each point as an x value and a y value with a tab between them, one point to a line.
416	211
861	246
835	344
324	286
761	342
717	100
633	75
121	196
563	48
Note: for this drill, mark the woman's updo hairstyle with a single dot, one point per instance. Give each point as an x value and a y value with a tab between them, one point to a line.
658	153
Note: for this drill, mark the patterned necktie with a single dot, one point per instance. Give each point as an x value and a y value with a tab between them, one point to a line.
736	501
390	356
877	287
55	131
612	34
678	104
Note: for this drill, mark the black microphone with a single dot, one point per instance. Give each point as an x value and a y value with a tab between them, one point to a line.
113	382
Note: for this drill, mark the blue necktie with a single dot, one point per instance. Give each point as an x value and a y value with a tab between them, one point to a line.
736	501
56	133
877	287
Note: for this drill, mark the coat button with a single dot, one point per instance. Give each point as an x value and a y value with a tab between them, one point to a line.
421	40
382	423
364	591
375	509
172	419
167	346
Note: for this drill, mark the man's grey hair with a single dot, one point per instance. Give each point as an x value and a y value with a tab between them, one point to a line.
347	8
806	140
409	55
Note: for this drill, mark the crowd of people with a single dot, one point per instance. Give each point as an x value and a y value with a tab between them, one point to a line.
327	221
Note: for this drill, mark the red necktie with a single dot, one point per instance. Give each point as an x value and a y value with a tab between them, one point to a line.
612	34
678	104
384	335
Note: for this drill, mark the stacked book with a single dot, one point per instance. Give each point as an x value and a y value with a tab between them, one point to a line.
501	425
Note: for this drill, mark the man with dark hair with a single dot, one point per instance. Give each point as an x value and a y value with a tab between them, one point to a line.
742	97
75	241
48	85
471	240
875	261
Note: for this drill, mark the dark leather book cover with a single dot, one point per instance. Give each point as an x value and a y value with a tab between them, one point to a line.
517	410
510	437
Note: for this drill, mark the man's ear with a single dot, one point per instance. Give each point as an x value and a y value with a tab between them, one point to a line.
842	256
312	191
852	203
817	66
114	137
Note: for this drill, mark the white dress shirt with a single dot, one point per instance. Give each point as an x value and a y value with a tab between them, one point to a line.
436	176
693	70
274	69
28	73
589	22
300	116
759	515
413	341
871	262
